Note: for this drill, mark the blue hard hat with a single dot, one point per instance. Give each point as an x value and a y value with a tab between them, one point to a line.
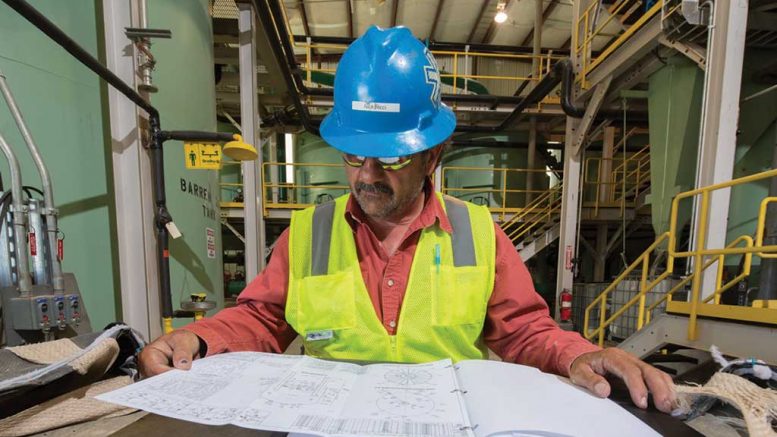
387	97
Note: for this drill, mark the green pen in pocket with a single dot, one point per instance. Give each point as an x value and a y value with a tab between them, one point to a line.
437	257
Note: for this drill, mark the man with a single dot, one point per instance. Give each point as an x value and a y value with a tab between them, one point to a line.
395	271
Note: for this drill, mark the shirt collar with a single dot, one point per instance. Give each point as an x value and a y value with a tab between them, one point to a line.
432	213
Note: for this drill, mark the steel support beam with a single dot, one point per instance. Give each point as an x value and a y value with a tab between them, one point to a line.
475	26
590	115
570	192
531	159
570	197
131	179
728	336
440	6
692	51
249	117
628	54
723	80
608	147
536	33
545	14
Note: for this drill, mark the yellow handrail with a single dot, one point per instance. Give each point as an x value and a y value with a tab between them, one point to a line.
644	261
699	263
582	46
626	179
503	190
530	208
762	219
718	288
541	210
272	198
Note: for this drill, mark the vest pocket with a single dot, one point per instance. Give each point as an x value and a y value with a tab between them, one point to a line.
326	302
458	295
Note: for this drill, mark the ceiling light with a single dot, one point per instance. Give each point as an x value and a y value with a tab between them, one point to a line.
500	16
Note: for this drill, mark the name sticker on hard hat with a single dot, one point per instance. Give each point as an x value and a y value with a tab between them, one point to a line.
374	106
319	335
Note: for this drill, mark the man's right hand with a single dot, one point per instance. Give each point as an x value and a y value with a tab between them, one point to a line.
174	350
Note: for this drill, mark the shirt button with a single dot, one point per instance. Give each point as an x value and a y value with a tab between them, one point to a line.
393	324
390	282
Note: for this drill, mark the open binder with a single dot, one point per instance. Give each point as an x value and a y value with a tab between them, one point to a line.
301	394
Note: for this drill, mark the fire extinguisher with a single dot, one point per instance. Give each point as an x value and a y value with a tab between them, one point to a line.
566	305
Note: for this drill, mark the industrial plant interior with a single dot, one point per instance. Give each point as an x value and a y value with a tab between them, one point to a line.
154	151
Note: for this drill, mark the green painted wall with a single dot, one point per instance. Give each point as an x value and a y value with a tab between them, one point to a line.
187	100
61	101
674	102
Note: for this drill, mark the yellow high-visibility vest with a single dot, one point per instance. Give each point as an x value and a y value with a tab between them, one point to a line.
444	308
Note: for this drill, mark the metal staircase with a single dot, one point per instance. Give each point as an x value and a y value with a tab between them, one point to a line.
700	319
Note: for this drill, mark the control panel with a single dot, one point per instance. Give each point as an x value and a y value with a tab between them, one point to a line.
43	311
73	309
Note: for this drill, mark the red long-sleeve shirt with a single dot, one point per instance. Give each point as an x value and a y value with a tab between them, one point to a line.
518	326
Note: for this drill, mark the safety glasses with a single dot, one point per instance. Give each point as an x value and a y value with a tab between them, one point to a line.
392	164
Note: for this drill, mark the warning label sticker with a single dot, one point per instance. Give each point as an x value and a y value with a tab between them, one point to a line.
210	240
202	156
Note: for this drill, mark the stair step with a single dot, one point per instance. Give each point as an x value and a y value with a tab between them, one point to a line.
628	18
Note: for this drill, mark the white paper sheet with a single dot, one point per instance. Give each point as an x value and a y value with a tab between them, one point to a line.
511	400
402	399
302	394
214	392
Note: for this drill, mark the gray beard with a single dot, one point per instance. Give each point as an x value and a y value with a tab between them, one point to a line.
393	205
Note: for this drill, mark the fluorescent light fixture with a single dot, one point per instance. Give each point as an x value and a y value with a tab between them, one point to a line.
289	149
554	142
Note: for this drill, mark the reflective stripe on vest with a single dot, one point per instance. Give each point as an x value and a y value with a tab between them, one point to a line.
445	303
461	239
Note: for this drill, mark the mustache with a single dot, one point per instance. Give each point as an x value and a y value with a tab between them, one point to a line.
377	187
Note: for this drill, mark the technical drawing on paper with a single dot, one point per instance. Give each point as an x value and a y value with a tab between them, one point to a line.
408	376
152	401
297	389
189	388
405	402
253	417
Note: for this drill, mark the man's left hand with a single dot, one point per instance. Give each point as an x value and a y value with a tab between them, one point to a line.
588	371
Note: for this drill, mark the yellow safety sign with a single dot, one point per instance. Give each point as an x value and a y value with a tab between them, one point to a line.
202	156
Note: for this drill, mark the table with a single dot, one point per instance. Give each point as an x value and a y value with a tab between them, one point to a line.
152	424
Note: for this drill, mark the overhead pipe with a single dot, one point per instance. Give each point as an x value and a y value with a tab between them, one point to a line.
284	55
50	210
567	87
542	89
72	47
